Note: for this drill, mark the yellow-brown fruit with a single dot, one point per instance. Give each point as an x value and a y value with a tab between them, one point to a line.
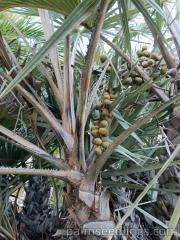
163	70
138	80
94	127
105	112
98	106
176	111
103	58
97	141
108	102
145	64
146	53
103	132
103	123
128	80
105	145
158	58
155	56
144	48
107	118
139	53
96	122
95	132
143	58
133	74
98	151
106	96
151	62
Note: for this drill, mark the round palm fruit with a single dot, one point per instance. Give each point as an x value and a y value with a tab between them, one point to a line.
139	53
146	53
97	141
138	80
103	58
176	111
105	112
107	118
98	151
94	128
158	58
98	106
108	102
144	48
103	123
143	58
155	56
95	133
145	64
109	68
106	96
128	80
96	122
133	74
105	144
151	62
103	131
163	70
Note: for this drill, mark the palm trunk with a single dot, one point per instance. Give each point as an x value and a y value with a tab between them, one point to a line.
36	219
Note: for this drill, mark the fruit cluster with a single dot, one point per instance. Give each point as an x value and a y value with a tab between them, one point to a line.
147	60
150	60
100	128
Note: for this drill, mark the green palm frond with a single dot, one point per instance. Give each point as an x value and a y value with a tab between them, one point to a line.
65	7
123	6
11	155
75	18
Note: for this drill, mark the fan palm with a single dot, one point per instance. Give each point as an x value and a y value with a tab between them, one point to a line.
71	96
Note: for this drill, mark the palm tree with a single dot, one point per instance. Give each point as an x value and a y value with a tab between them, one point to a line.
94	118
